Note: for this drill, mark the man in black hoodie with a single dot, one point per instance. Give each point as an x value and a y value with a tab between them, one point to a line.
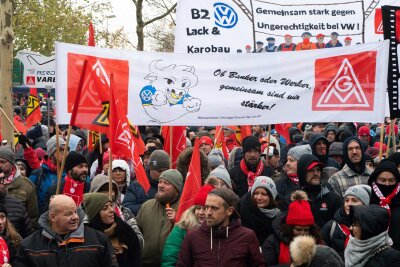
324	202
320	147
354	171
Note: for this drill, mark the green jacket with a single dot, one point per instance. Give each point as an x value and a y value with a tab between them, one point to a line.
155	226
25	191
172	247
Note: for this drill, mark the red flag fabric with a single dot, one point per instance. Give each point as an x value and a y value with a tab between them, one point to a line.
398	25
140	146
20	127
93	140
122	142
91	41
192	182
220	141
178	141
33	114
283	130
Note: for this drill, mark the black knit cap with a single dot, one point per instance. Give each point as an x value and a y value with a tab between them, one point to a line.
74	159
3	210
385	165
249	143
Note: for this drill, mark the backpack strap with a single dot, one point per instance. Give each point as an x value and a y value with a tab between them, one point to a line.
39	179
334	223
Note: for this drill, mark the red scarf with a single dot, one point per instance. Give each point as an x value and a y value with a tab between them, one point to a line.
284	254
293	177
346	232
49	163
11	177
251	176
74	189
385	201
4	252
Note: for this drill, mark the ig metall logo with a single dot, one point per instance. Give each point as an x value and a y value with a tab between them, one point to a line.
225	16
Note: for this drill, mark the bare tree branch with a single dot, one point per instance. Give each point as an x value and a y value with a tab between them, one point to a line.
161	16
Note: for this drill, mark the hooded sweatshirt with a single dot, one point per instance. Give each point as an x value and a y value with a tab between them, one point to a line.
323	158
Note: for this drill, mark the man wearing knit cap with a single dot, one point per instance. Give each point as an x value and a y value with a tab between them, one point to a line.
222	176
250	166
75	183
17	185
364	135
287	181
156	217
221	240
46	176
354	171
135	196
206	144
324	202
288	45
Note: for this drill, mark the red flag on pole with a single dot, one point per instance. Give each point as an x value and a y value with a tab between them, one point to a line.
178	141
122	142
220	141
20	127
33	114
91	41
192	182
283	130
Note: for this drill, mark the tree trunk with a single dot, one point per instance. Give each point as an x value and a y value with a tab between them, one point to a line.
6	64
140	25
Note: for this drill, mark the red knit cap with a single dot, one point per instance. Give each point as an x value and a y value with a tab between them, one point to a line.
364	130
201	196
206	140
300	213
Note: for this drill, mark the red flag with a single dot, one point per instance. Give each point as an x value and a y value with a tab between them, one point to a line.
122	142
192	182
283	130
33	114
20	127
178	141
140	146
220	141
91	41
398	25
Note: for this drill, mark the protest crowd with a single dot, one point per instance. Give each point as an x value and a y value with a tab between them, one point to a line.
294	194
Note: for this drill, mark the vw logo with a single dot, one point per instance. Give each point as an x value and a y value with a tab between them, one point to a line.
225	16
146	95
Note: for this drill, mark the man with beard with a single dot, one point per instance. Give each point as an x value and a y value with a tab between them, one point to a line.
354	171
75	183
156	217
384	181
221	240
17	185
320	147
324	202
250	166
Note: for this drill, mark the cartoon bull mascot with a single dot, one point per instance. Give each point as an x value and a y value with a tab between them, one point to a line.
167	97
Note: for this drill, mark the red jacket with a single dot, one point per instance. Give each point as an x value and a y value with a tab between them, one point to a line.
232	246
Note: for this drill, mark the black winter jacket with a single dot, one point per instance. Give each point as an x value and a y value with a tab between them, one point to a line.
285	188
17	215
389	257
328	161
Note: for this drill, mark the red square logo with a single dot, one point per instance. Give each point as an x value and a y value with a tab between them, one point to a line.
345	82
378	21
30	80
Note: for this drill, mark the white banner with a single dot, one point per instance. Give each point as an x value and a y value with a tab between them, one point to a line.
39	70
328	85
225	26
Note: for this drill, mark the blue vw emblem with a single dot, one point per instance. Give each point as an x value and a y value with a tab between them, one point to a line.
225	16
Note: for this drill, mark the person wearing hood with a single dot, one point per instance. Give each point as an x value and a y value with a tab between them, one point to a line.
122	176
250	167
258	207
369	243
100	184
156	217
36	137
385	183
336	232
76	143
324	201
17	185
191	219
221	240
292	132
320	148
364	135
46	175
64	240
354	171
287	181
336	152
135	196
298	220
101	216
330	133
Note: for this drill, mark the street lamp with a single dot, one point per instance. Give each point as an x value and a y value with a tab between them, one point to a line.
108	17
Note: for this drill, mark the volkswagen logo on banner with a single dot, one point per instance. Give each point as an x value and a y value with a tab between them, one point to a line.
225	16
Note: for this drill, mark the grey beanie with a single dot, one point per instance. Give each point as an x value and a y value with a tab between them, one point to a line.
7	153
267	183
159	160
52	145
98	181
336	148
214	160
174	177
221	173
298	151
361	191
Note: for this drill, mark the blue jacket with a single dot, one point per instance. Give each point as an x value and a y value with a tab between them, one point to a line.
48	178
135	195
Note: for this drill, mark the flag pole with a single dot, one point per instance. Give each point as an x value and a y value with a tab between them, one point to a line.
9	120
393	136
381	141
268	141
110	174
57	150
389	138
217	136
170	143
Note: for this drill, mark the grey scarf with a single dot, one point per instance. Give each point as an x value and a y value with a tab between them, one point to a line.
270	213
359	252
